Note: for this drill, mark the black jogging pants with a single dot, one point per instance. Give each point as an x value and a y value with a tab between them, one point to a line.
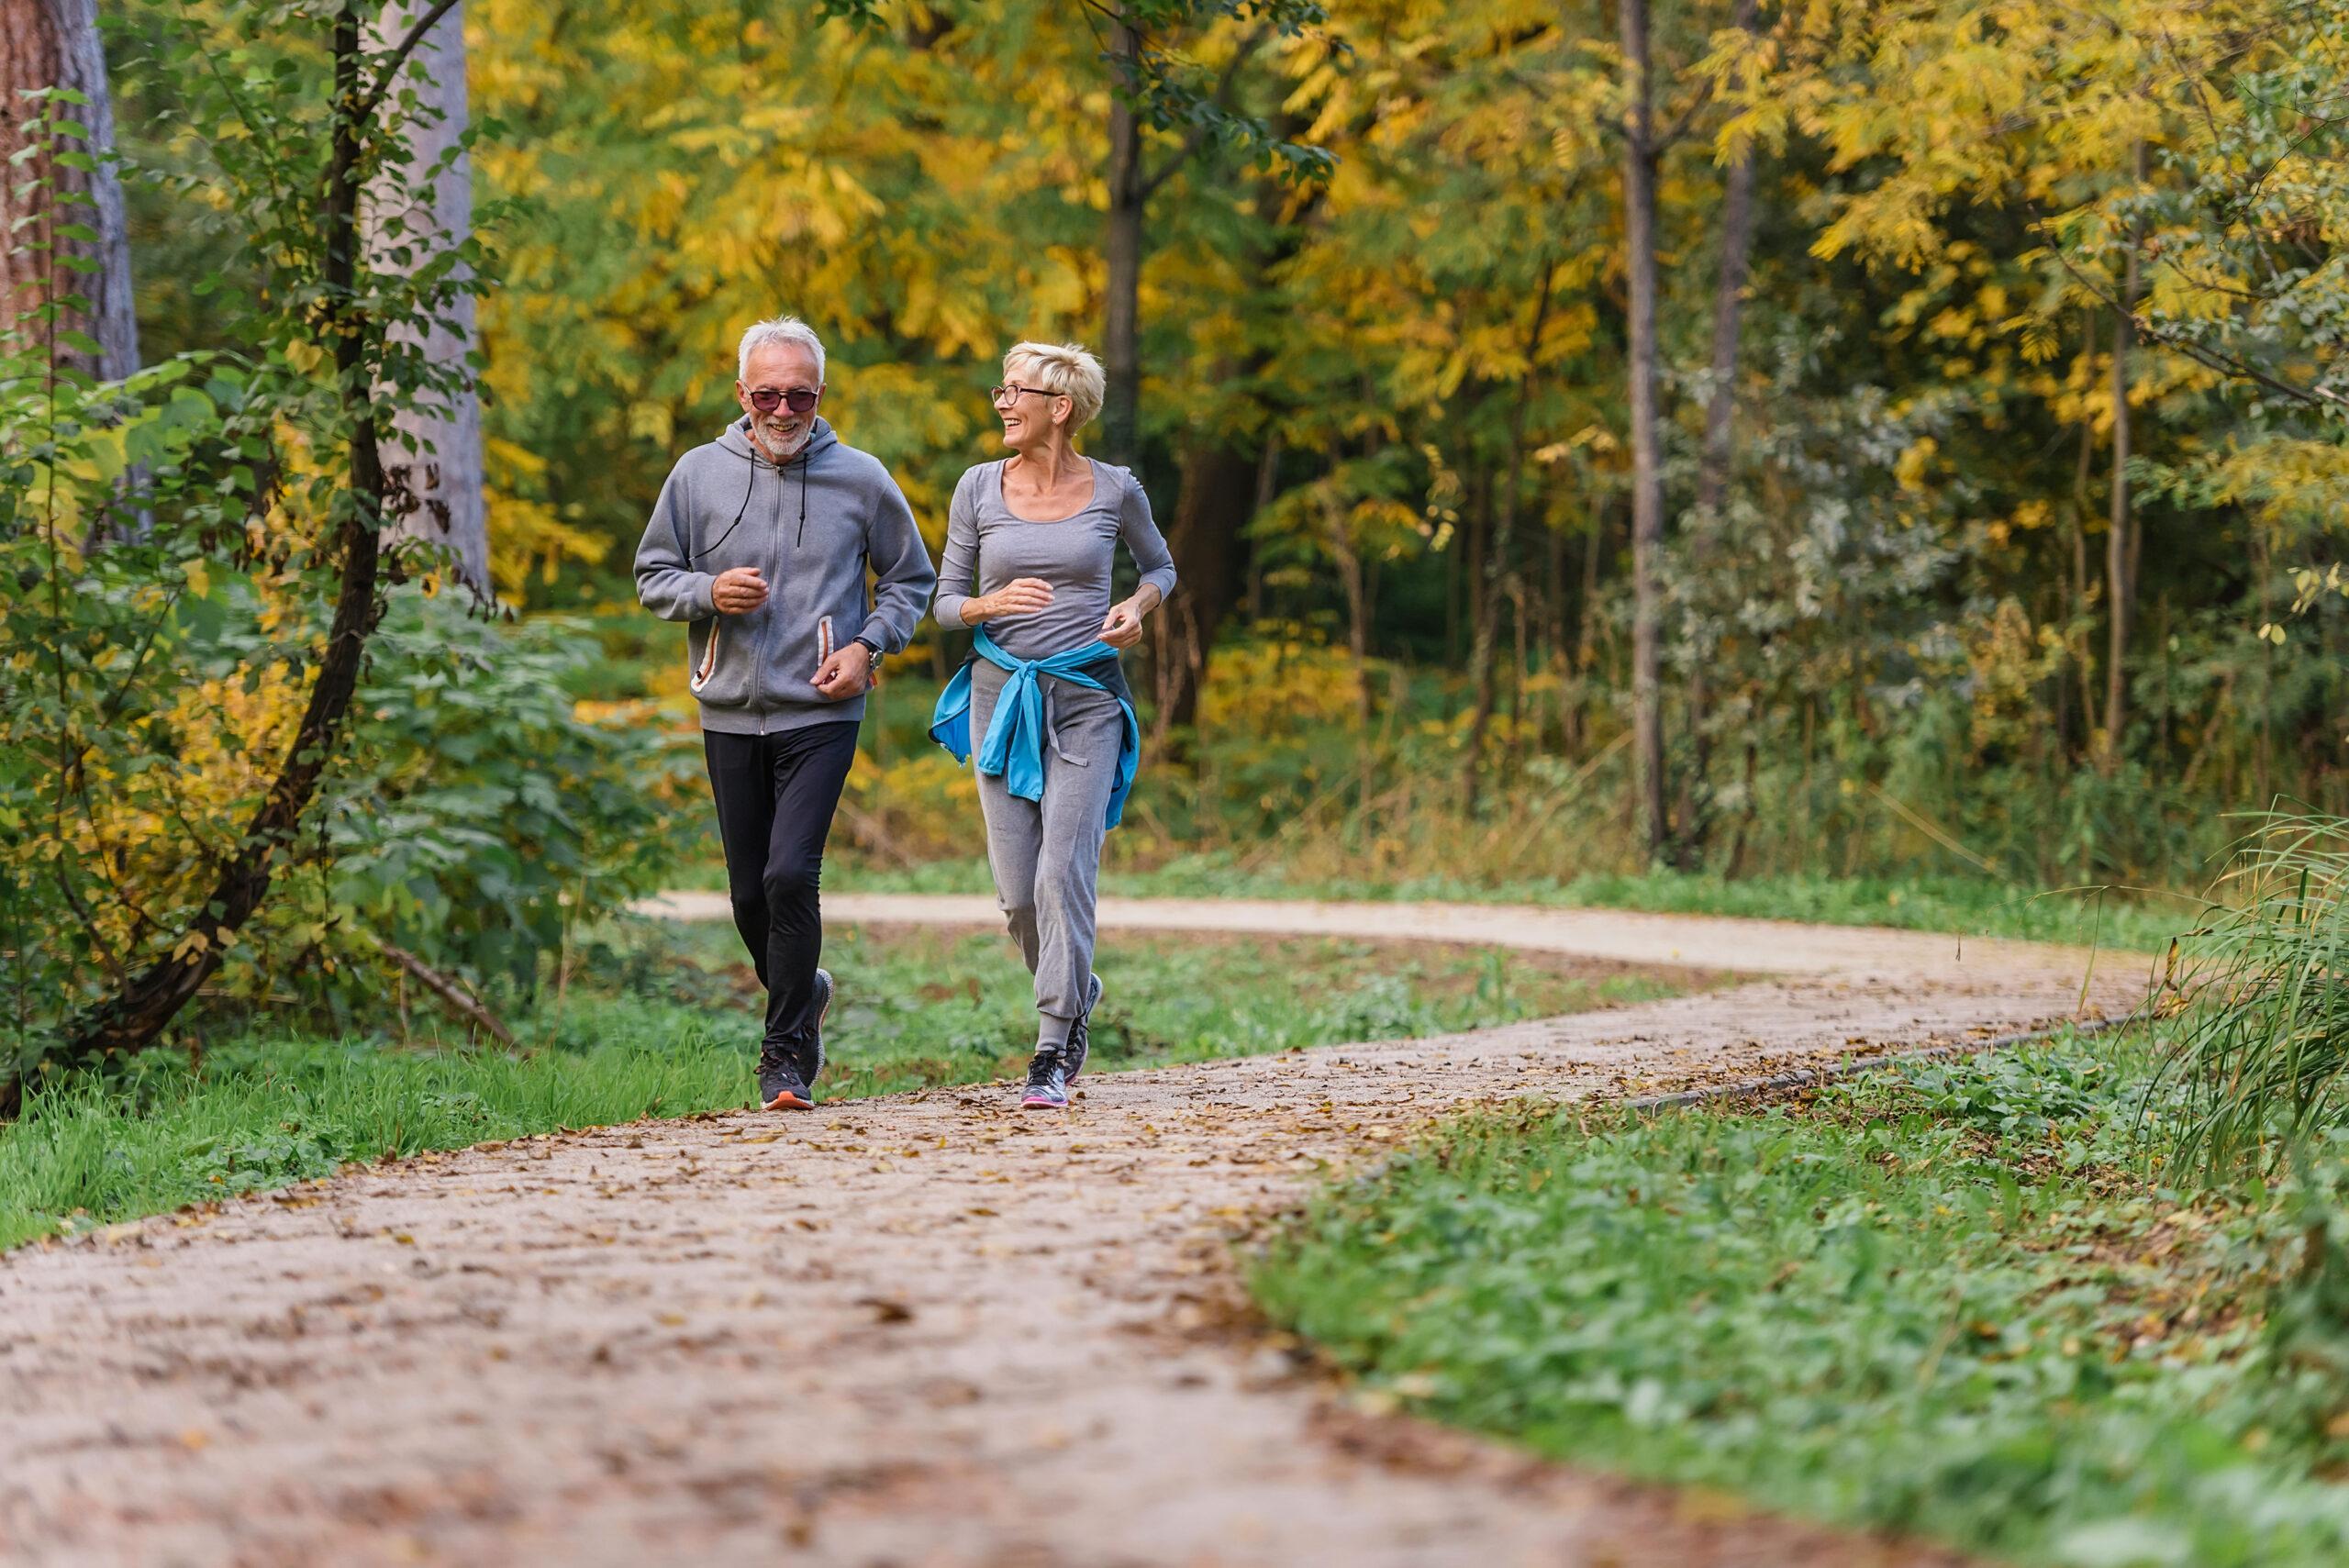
775	797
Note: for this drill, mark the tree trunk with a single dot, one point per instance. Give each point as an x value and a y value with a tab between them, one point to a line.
1451	576
1728	305
2120	553
1218	496
134	1018
1268	477
1586	618
1586	629
1712	475
2083	649
2116	553
55	43
1496	555
1647	478
434	463
1356	589
1520	631
1553	616
1121	345
1224	487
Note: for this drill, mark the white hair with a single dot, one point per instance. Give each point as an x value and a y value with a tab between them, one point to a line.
1064	370
781	329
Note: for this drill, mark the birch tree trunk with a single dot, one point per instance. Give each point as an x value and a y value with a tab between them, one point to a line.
434	464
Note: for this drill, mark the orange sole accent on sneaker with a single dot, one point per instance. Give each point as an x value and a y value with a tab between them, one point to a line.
787	1101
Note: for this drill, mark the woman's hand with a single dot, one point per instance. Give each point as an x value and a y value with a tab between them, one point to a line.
1121	628
1021	596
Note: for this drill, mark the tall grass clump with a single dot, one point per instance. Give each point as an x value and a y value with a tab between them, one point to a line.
2259	1002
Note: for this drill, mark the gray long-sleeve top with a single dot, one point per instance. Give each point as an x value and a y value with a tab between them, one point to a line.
988	545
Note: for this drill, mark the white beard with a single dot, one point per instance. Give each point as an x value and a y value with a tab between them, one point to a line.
779	454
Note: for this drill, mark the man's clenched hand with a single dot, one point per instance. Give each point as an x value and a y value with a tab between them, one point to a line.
738	591
847	674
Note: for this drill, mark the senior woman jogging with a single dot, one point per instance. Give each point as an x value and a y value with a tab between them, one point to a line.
1036	534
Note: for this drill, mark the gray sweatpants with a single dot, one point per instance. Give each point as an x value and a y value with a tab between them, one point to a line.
1046	854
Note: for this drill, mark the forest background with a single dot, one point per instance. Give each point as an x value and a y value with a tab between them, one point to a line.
1895	442
1861	460
1956	568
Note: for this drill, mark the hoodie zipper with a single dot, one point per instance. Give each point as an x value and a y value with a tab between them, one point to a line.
774	571
759	643
772	609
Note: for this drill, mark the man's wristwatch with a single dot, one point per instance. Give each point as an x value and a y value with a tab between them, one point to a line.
871	648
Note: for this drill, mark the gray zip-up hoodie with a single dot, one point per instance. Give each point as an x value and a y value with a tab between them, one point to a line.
810	527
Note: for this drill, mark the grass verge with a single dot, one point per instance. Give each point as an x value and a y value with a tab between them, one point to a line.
1951	1299
1968	907
661	1021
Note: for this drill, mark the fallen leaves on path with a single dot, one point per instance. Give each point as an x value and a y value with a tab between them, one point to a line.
927	1329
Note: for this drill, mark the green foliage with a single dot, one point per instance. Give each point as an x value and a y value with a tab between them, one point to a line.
663	1021
1899	607
1946	1299
481	815
478	820
2259	1002
174	550
87	724
1275	805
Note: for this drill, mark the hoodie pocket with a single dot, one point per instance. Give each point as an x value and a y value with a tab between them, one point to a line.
722	653
800	645
705	662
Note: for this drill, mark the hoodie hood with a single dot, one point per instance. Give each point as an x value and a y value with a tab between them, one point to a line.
736	438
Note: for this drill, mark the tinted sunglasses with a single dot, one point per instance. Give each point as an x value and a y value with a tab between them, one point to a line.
766	399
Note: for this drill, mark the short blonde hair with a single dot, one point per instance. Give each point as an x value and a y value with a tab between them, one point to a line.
1064	370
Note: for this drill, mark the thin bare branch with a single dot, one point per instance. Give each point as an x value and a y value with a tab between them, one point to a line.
450	993
2201	353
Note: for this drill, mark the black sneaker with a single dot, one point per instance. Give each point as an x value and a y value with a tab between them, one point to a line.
810	1059
1080	1043
1047	1089
780	1086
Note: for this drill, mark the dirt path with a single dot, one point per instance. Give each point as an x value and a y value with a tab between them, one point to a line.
927	1330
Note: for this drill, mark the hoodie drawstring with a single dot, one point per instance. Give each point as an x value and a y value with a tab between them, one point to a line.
805	460
802	461
711	548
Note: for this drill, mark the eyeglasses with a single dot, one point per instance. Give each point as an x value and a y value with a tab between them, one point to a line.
766	399
1010	393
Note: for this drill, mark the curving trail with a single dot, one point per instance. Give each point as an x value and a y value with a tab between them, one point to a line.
919	1330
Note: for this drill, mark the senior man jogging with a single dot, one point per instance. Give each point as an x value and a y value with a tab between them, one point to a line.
760	542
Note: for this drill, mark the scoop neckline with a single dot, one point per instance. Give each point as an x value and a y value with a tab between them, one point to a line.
1005	501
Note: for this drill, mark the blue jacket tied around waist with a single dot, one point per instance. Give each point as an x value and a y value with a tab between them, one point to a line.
1013	748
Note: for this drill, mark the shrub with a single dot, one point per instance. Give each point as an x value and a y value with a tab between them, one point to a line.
2259	1001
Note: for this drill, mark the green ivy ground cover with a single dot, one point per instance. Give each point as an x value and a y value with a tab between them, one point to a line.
1954	1300
662	1020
